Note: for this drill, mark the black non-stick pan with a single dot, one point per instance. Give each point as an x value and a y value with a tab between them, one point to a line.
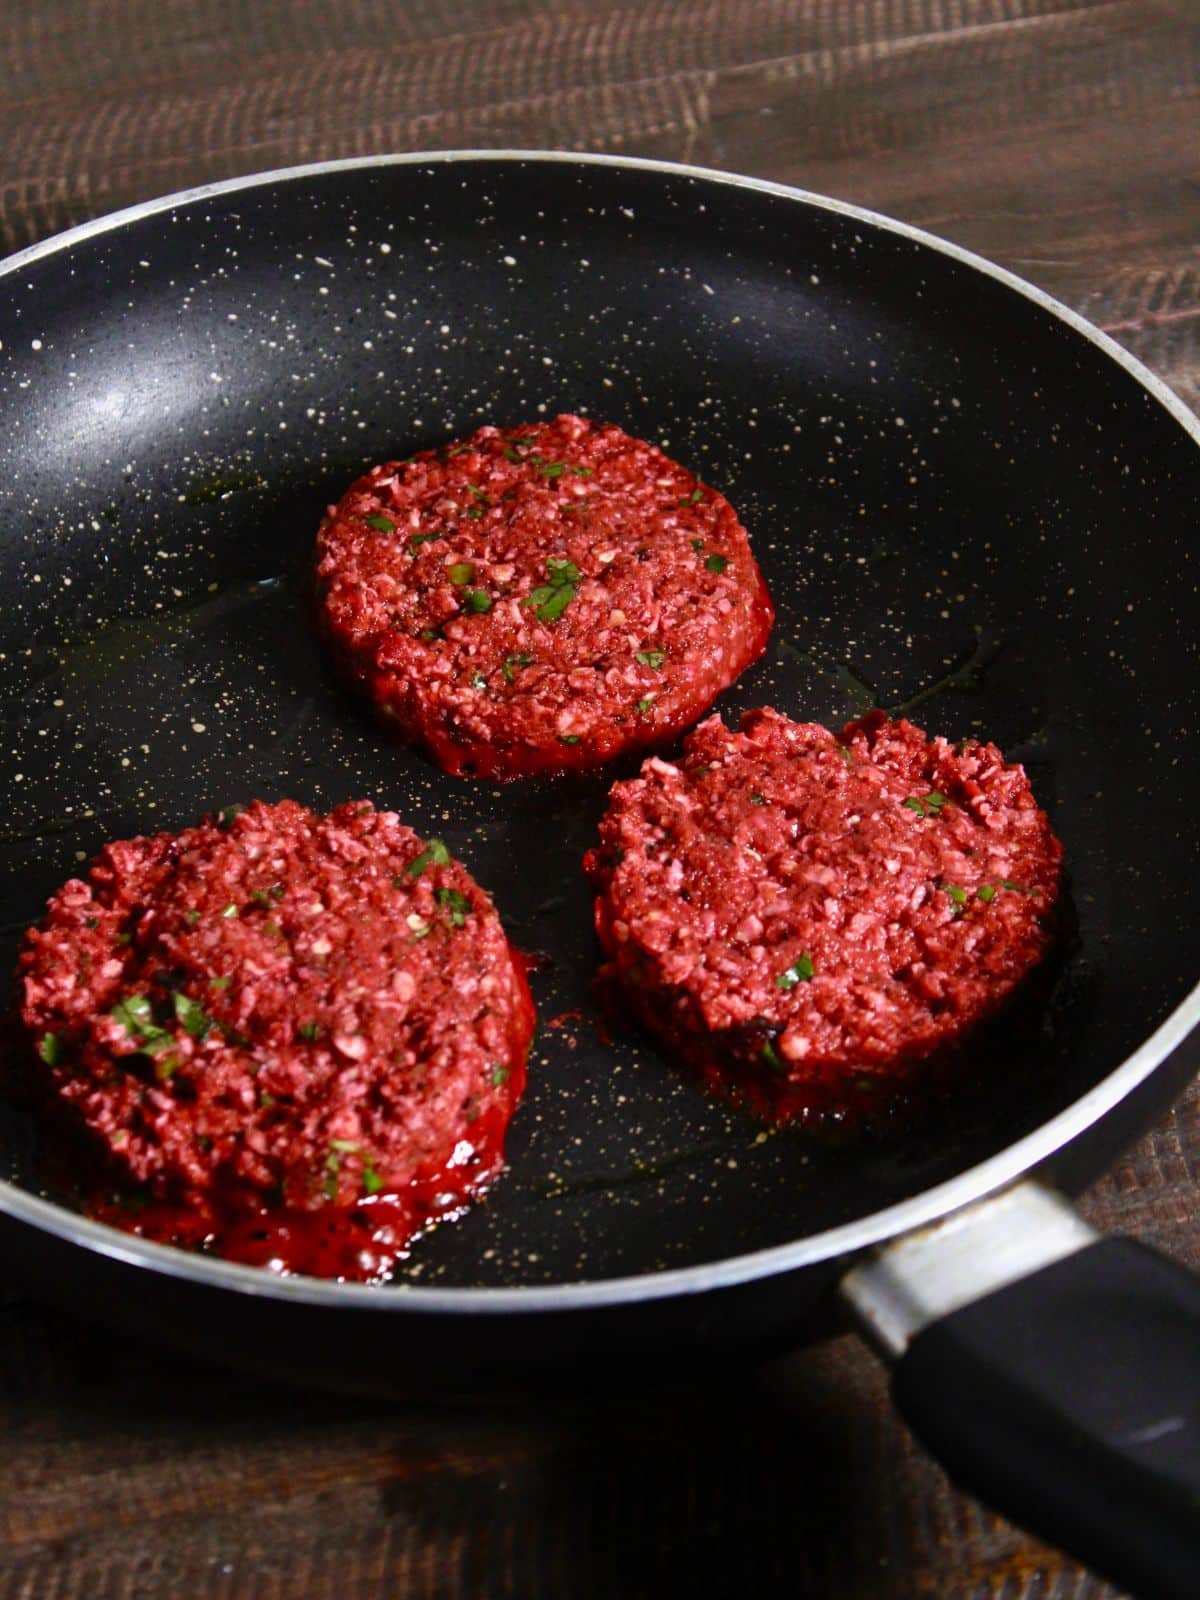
969	505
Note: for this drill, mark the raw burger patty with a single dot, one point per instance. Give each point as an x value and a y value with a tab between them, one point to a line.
539	598
794	907
281	1008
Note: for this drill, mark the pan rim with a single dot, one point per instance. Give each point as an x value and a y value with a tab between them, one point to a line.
848	1239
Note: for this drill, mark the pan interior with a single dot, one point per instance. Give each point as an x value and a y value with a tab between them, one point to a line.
963	508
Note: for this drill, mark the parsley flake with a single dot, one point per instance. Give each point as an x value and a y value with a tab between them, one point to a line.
460	572
434	851
800	971
500	1074
457	905
716	564
51	1051
512	662
644	704
310	1030
193	1018
568	738
479	600
771	1056
227	815
136	1016
380	524
651	658
552	598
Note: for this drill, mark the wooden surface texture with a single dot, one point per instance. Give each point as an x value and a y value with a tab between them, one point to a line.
1061	138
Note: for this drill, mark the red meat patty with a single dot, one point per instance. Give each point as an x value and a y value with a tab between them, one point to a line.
277	1016
540	598
797	913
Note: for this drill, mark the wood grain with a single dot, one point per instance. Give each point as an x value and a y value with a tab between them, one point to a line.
1058	137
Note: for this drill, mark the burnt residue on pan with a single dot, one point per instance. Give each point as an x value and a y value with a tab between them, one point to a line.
947	489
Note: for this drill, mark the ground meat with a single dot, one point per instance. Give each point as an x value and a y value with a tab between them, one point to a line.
540	598
276	1014
800	912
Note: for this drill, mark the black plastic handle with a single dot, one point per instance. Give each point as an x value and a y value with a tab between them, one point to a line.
1070	1401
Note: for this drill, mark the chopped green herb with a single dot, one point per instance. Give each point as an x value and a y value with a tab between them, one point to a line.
219	983
195	1020
415	540
346	1147
457	904
560	571
310	1030
716	564
651	658
568	738
986	892
134	1013
460	572
474	512
551	469
191	917
929	806
92	922
479	494
434	851
50	1049
958	895
136	1016
582	472
550	603
124	938
479	600
269	896
697	544
757	800
847	755
380	524
500	1074
429	633
228	813
230	910
771	1057
1017	888
800	971
265	1100
478	681
511	453
165	1067
692	499
372	1182
644	705
510	662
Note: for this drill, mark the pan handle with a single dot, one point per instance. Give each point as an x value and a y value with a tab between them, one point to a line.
1055	1373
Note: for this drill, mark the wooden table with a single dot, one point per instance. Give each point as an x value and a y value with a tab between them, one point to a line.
1060	137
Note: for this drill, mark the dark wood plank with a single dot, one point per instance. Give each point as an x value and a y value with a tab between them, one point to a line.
1058	137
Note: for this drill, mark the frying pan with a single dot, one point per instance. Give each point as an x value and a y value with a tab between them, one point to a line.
969	505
